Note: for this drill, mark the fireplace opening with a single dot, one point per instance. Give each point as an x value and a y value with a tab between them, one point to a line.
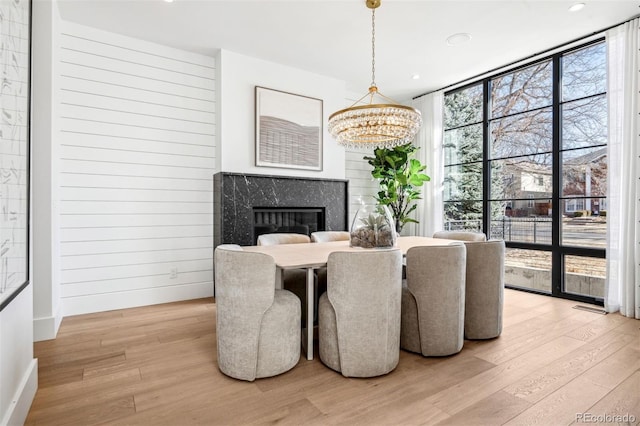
304	220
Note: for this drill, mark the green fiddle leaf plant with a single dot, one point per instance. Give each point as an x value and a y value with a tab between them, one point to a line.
399	176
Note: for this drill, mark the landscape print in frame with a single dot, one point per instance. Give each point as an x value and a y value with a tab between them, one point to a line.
288	130
15	36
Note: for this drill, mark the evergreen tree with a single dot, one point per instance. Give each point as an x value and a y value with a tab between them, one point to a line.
463	152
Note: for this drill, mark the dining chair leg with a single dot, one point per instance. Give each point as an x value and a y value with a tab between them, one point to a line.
310	305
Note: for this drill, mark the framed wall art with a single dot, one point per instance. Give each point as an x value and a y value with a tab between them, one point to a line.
15	47
288	130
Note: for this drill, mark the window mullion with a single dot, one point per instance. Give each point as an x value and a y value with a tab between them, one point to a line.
556	263
486	167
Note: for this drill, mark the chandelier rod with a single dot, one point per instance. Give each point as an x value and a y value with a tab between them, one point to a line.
373	47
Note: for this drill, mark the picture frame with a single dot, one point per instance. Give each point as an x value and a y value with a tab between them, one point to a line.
289	130
15	66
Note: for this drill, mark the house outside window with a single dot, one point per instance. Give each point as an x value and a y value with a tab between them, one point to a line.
530	203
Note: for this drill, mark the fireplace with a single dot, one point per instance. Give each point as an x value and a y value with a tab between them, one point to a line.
244	206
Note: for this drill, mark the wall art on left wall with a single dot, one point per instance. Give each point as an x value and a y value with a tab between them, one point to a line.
15	48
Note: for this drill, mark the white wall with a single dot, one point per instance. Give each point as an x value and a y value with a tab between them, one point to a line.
239	75
18	369
44	172
137	154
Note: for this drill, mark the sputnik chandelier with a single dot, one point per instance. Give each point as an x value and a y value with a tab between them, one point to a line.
382	123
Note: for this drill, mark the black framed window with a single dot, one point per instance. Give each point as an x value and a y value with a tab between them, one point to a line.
525	161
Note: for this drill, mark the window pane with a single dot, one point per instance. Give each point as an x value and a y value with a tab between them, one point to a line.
521	223
528	133
530	269
584	172
522	90
585	275
522	177
463	215
463	107
463	182
584	72
463	145
584	223
584	123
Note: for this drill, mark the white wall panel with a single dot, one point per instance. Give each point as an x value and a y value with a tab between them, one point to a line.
155	282
98	180
97	167
131	245
137	156
111	76
101	89
135	297
88	261
118	207
77	98
133	219
89	153
123	117
361	185
85	282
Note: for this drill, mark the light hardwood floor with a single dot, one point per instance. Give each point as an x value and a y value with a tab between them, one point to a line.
156	365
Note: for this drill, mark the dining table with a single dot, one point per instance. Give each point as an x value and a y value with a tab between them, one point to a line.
311	256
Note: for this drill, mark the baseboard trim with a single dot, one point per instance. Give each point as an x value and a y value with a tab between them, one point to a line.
47	328
19	409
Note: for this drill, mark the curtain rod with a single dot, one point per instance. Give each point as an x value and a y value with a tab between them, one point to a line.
502	67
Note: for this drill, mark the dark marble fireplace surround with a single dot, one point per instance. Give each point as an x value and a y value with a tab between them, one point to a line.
235	196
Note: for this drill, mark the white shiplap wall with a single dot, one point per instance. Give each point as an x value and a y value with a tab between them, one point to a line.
137	156
361	184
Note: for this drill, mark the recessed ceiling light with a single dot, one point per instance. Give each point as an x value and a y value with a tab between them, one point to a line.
169	1
576	7
416	76
458	39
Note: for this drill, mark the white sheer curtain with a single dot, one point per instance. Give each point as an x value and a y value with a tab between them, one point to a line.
623	252
430	212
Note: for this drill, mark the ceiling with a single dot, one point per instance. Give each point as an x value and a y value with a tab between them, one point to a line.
333	37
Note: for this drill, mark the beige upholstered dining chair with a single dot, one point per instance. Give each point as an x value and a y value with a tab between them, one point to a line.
484	299
461	235
257	326
484	289
433	300
328	236
359	315
273	239
294	280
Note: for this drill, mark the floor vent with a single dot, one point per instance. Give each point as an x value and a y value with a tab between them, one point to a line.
589	309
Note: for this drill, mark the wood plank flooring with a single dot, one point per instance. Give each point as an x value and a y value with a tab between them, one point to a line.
156	365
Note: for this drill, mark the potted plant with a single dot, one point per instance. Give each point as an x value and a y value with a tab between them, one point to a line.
399	175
